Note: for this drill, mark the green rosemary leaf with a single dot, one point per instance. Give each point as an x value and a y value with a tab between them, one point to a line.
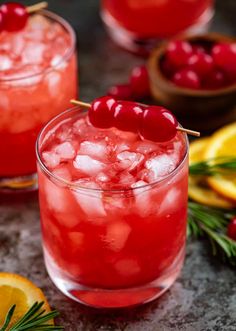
8	318
216	166
212	223
34	319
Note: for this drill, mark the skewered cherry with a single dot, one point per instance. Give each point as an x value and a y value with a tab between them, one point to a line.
100	113
127	115
158	124
14	16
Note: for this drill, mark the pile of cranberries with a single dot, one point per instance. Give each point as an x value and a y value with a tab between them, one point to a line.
203	65
13	17
151	122
137	88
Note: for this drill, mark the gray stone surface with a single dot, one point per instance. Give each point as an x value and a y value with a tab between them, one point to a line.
204	297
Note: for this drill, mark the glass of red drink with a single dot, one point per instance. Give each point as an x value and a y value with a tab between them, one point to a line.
38	75
113	211
138	24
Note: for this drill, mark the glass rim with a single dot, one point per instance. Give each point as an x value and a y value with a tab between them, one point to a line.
68	52
75	186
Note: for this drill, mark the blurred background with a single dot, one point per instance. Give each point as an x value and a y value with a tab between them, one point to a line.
101	62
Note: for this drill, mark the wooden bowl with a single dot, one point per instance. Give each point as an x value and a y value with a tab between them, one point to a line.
204	110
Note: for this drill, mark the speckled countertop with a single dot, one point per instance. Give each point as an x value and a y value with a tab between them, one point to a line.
204	297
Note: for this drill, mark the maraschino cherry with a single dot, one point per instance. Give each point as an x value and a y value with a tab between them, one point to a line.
151	122
14	16
100	113
158	124
127	115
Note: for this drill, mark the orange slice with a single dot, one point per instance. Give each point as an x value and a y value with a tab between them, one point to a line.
19	291
199	189
223	143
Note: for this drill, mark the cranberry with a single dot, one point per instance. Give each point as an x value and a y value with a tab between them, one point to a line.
201	63
199	49
178	52
14	16
187	78
139	82
231	231
100	114
224	56
158	124
167	68
127	115
215	80
121	92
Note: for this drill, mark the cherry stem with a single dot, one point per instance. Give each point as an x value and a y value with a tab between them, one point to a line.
88	105
36	7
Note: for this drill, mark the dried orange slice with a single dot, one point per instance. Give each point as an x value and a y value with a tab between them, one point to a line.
223	143
199	189
19	291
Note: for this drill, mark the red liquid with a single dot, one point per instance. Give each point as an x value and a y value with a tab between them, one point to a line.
156	18
112	240
37	53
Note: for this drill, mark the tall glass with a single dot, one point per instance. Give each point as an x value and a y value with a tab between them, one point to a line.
29	99
138	24
108	248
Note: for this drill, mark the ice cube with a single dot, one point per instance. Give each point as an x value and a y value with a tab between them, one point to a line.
170	201
122	147
60	200
53	80
143	202
5	62
126	179
58	62
127	267
17	45
51	159
102	177
129	160
87	165
145	147
90	201
94	149
160	165
63	172
117	235
65	151
33	53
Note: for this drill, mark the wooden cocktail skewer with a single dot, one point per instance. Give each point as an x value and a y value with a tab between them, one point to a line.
36	7
87	106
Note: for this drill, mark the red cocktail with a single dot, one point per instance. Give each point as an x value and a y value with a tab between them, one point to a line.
113	211
37	78
138	24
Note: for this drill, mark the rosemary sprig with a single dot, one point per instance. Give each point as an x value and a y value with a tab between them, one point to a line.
217	166
212	223
34	319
